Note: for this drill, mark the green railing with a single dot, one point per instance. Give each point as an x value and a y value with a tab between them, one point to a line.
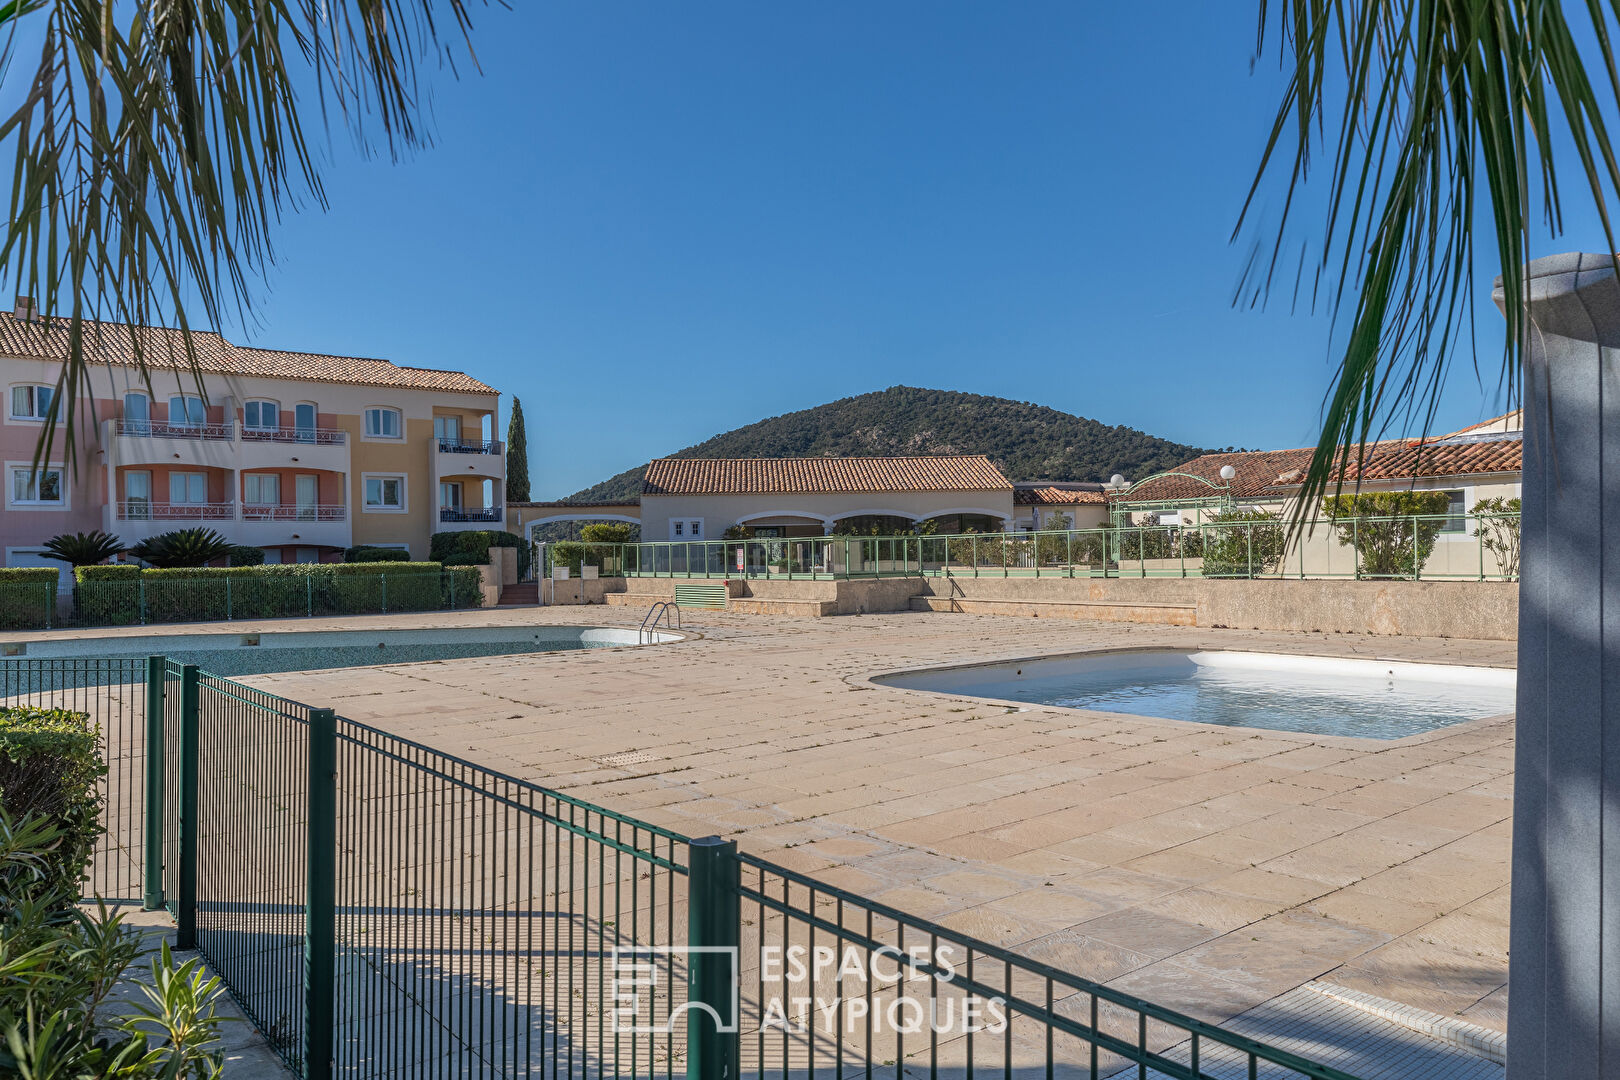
1428	547
381	908
145	601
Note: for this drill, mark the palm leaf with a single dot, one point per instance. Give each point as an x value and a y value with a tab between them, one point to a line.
1428	112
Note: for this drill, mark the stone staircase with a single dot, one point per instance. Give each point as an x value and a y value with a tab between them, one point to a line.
524	592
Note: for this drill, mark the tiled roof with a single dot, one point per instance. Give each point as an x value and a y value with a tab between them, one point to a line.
113	343
1049	495
821	475
1274	473
1507	422
571	504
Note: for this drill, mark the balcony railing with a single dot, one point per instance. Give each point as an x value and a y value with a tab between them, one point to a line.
318	436
143	510
151	429
278	512
485	513
469	446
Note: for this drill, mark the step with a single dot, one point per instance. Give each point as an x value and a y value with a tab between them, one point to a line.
814	609
527	593
1101	610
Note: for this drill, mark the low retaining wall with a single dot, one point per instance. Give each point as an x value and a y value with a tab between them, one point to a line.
1472	609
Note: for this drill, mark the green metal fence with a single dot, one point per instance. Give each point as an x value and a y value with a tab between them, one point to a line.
169	600
383	909
1441	547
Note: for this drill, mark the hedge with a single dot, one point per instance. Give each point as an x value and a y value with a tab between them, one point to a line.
476	543
27	597
102	606
203	594
363	553
50	762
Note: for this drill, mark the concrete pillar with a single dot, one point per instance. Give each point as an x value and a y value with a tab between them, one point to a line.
1565	936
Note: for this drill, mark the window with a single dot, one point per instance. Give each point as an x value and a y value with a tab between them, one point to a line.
304	421
186	410
137	414
261	489
677	528
42	487
697	529
137	495
382	423
1456	513
386	493
447	430
450	495
188	487
272	556
686	528
261	416
32	402
306	555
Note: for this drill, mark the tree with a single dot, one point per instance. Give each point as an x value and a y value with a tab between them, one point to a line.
1243	543
517	456
1393	532
1440	107
82	549
1498	531
156	147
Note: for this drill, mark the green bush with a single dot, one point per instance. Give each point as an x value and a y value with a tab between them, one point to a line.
1244	543
183	548
245	555
460	585
366	587
1393	532
108	595
364	553
61	965
477	542
50	762
1498	531
28	597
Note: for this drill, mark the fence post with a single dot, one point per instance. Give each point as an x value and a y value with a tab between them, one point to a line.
141	583
154	783
384	579
227	598
185	936
714	925
320	912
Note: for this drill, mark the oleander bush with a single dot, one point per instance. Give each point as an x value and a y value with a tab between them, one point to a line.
1393	532
1244	543
27	597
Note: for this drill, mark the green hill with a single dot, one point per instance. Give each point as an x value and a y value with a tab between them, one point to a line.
1028	442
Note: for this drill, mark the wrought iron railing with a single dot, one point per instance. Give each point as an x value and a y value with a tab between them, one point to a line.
469	446
382	908
146	510
484	513
152	429
294	512
318	436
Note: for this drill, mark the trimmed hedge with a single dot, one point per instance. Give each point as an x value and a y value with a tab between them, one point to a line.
27	597
363	553
444	546
107	606
50	761
204	594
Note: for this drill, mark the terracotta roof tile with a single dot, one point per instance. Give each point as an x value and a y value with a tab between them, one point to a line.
1056	496
114	343
821	475
1257	473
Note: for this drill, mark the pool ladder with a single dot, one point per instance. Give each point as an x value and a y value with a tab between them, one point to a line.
663	609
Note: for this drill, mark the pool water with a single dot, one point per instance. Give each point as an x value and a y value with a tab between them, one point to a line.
316	650
1369	699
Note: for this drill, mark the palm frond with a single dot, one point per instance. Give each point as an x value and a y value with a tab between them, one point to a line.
1427	113
156	146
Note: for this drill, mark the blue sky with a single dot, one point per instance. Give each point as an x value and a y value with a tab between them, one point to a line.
656	222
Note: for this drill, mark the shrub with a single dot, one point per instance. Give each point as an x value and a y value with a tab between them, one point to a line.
477	542
1244	543
183	548
461	588
50	762
62	965
605	532
363	553
1393	532
108	595
1498	531
27	597
83	549
245	555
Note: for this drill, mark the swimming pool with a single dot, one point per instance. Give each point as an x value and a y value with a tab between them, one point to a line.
314	650
1315	695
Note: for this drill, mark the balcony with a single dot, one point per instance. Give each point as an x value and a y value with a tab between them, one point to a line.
151	429
455	515
314	436
469	446
142	510
276	512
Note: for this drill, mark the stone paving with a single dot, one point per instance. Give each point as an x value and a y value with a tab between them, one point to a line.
1204	868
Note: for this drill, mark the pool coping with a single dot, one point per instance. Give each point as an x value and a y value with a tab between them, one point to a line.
869	681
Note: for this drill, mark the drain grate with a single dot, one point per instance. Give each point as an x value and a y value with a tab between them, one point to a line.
628	757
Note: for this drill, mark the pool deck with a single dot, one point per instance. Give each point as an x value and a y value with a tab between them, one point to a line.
1207	869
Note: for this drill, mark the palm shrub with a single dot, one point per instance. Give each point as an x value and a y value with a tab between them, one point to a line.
183	548
82	549
1498	531
1393	532
1243	543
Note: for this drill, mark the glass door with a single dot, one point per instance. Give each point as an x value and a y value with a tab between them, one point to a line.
450	496
447	430
307	493
137	495
137	414
304	422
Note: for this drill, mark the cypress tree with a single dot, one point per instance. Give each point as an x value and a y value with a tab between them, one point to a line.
517	456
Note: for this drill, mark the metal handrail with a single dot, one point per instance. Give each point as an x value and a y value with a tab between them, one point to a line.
319	436
154	511
667	610
293	512
152	429
482	513
469	446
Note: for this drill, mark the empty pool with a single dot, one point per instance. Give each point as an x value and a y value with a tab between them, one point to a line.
1316	695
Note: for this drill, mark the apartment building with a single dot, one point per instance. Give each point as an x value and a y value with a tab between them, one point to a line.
301	454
